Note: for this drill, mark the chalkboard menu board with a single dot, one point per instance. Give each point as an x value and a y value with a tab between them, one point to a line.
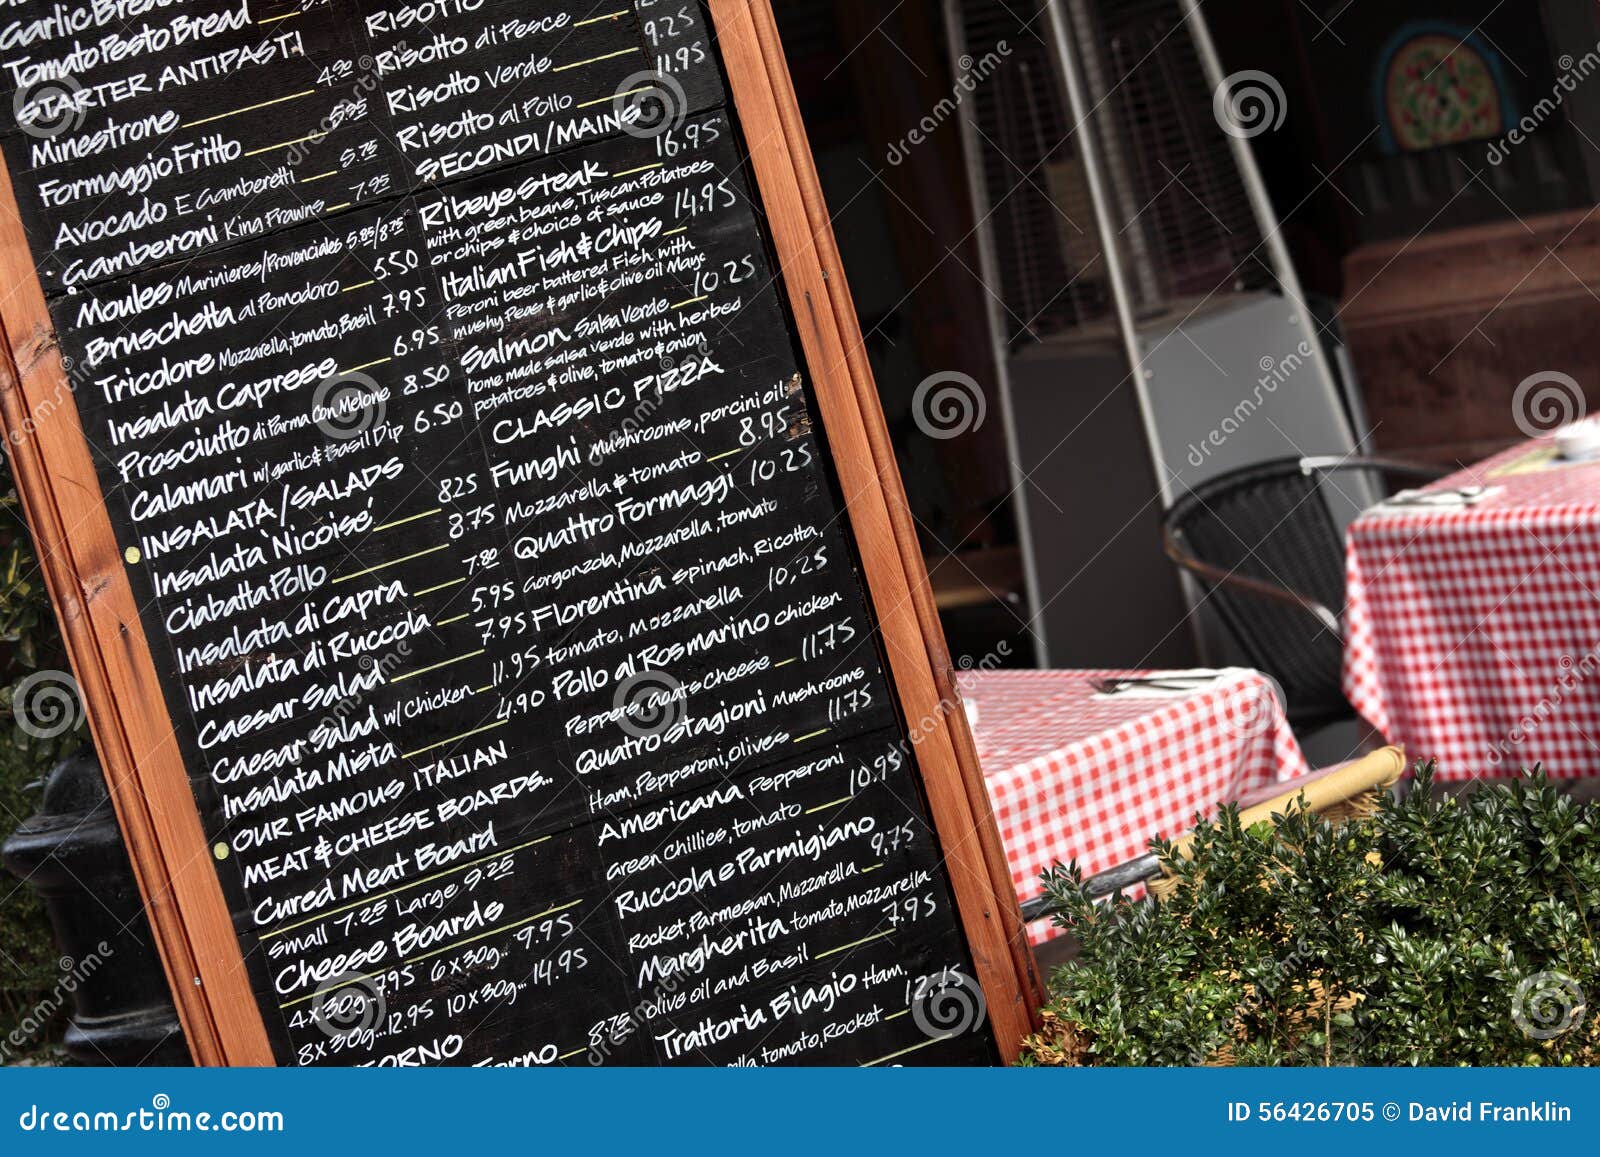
488	544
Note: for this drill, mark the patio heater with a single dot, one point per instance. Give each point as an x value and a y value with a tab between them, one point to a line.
1149	327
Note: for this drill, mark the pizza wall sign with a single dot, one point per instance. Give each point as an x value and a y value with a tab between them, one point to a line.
1438	85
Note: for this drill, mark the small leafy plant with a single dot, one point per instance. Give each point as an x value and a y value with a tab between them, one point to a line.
1445	931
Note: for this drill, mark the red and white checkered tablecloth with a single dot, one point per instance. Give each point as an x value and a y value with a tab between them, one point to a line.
1473	633
1073	774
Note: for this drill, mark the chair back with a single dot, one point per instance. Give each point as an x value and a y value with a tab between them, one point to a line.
1266	543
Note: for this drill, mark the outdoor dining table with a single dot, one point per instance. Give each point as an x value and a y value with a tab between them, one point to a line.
1077	773
1473	627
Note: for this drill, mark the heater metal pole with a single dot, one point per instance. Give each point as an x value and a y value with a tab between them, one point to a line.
1088	148
989	267
1266	217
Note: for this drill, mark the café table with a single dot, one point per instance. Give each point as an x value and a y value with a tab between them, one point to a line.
1472	627
1076	773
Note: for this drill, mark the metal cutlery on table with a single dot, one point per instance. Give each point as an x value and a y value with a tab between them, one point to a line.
1177	683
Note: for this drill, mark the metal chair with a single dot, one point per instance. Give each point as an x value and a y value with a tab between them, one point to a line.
1266	543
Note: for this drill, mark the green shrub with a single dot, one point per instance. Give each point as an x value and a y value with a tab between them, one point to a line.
1447	931
29	640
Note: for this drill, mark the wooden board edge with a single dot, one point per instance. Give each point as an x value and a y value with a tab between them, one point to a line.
111	661
764	97
953	715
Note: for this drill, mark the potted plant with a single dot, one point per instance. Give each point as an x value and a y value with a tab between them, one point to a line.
1446	930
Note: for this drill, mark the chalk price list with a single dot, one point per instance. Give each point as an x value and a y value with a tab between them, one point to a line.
488	552
153	130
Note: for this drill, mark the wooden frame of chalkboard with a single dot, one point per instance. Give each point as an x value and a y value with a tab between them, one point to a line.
117	674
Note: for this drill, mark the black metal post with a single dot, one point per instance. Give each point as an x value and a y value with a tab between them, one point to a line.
71	851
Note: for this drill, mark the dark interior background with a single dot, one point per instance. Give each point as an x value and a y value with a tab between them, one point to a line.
1448	278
